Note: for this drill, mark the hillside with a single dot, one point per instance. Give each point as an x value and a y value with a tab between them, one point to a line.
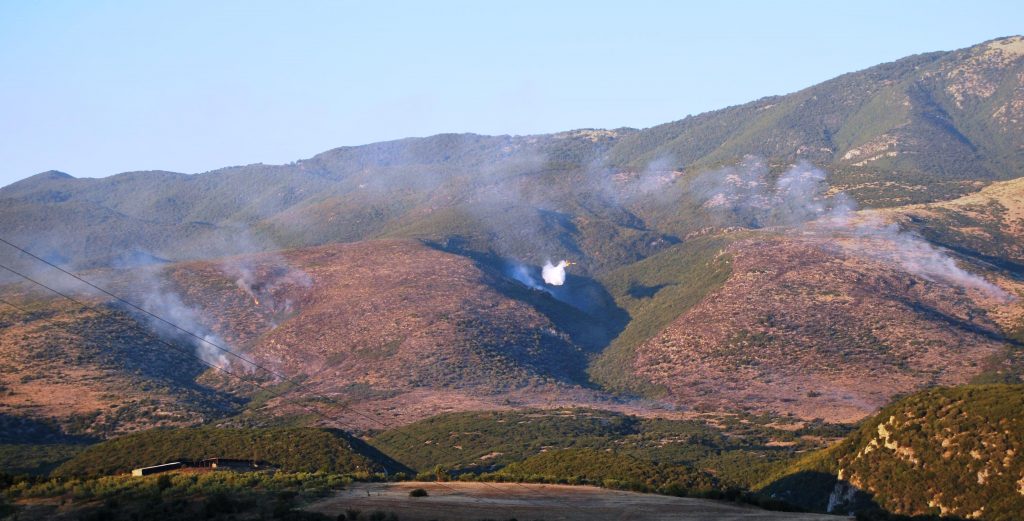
785	320
70	373
829	318
988	224
949	451
655	291
804	330
399	328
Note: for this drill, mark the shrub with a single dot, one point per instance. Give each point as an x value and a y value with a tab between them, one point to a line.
418	492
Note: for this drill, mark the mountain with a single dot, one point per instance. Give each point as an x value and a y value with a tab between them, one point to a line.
924	128
946	451
814	254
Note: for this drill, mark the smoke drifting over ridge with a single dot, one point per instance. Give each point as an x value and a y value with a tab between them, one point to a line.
801	194
156	304
887	243
749	193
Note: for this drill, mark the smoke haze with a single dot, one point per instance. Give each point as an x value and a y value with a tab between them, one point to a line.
168	306
749	193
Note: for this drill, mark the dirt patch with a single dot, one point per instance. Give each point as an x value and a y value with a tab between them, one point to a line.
474	501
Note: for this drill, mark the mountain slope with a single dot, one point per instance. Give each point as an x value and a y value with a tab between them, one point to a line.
827	318
399	328
69	371
944	116
988	224
800	329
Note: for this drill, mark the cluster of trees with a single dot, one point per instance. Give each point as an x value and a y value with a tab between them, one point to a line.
289	448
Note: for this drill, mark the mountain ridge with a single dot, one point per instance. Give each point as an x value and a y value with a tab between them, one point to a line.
923	128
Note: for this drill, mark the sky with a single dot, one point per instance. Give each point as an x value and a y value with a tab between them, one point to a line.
97	88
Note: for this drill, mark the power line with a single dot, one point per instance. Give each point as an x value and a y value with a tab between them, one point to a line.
136	307
187	353
298	385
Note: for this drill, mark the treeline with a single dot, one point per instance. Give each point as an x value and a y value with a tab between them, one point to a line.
175	496
293	449
609	469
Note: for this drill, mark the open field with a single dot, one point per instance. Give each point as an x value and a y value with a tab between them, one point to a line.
474	501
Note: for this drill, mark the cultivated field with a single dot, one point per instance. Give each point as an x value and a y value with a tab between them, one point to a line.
475	501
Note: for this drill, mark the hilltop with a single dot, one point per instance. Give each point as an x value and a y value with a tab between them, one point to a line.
946	451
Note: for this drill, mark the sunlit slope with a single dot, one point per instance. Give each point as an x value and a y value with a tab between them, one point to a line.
800	328
70	371
949	451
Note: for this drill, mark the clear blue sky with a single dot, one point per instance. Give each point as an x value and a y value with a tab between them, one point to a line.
94	88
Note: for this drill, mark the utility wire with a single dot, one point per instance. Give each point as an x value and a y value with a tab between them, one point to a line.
137	307
188	352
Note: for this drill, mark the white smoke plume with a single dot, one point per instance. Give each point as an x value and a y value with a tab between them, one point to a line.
888	243
554	274
246	282
521	273
168	306
750	195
